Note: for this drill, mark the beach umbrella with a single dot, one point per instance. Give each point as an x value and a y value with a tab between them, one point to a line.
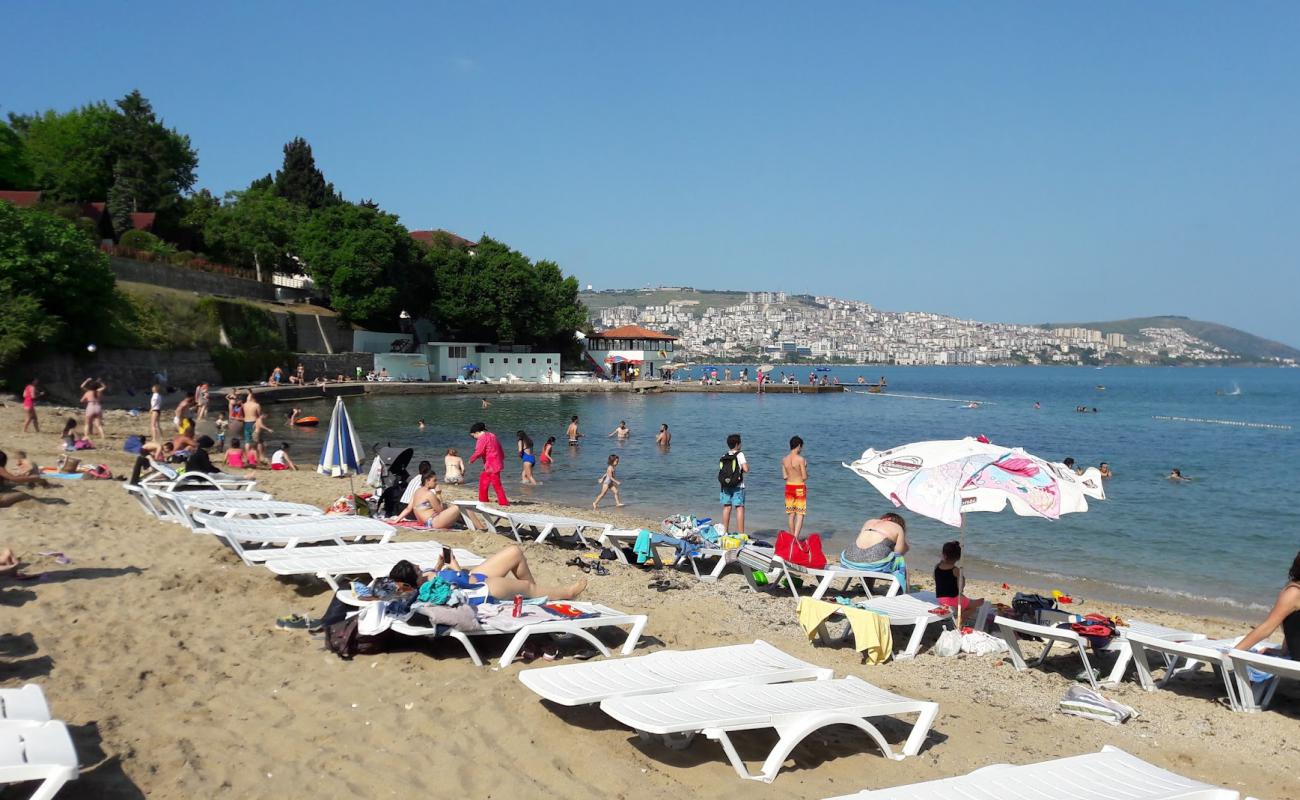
341	454
469	367
947	479
615	360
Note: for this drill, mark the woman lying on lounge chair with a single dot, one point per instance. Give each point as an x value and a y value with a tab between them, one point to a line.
428	508
1285	613
503	575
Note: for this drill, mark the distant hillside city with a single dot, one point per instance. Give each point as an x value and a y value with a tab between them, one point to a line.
776	326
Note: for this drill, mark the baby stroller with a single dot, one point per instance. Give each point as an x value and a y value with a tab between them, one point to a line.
392	477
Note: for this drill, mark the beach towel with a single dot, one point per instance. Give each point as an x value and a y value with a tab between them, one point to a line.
872	636
1080	701
893	564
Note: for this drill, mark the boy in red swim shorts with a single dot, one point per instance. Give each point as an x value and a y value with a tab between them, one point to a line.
794	468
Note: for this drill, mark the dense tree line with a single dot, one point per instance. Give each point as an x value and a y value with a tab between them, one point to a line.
360	258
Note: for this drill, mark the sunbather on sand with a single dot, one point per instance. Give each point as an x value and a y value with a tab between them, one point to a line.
503	575
8	497
9	563
428	508
1285	614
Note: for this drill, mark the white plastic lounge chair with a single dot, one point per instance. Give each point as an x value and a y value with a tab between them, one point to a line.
539	526
754	559
1107	775
616	540
581	628
290	532
1178	658
915	610
165	473
1255	697
26	704
37	752
213	504
1010	630
795	710
471	516
667	671
330	562
824	579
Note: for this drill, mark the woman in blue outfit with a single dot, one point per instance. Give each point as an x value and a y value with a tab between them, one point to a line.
526	455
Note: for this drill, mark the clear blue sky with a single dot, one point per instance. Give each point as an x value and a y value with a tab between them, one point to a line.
1011	161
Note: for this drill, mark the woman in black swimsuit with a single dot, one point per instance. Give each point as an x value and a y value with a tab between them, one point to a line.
1285	613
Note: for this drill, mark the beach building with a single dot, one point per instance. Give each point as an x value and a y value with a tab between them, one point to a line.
447	361
618	351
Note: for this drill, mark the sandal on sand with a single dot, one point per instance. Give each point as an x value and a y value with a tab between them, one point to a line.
293	622
578	562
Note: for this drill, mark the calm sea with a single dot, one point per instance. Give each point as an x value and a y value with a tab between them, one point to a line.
1223	540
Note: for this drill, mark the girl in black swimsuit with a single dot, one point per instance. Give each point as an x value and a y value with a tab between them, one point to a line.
1285	614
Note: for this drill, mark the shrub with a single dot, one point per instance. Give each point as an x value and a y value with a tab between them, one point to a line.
140	240
247	366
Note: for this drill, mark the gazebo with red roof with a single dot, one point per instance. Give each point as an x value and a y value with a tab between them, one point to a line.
615	350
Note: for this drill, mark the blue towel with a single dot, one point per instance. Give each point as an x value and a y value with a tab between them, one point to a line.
893	564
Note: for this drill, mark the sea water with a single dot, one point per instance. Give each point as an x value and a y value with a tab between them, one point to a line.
1224	539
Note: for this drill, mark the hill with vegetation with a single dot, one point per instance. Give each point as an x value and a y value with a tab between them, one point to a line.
1233	340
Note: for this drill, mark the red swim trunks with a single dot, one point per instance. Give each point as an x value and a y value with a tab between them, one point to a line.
796	498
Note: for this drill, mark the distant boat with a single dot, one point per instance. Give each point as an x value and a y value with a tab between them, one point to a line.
1236	390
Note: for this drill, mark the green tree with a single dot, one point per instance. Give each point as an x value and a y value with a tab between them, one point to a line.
366	262
15	172
299	181
70	154
56	284
254	228
152	165
193	215
498	294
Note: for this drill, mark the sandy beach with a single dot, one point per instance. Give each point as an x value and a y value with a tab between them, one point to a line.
159	648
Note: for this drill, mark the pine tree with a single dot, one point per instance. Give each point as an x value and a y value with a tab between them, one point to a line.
300	182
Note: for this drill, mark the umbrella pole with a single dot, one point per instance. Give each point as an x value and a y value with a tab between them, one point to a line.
961	589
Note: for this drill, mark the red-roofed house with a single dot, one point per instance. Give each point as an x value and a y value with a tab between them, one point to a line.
427	237
142	220
21	199
628	347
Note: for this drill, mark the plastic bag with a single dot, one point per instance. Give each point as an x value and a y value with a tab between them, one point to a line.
979	643
949	644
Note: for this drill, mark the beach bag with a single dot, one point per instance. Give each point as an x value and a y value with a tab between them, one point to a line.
133	444
1027	606
83	444
948	644
341	638
730	475
805	553
100	471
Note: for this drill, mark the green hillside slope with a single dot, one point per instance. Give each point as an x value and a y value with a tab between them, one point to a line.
1232	339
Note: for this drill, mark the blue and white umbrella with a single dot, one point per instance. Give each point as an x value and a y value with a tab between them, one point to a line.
341	455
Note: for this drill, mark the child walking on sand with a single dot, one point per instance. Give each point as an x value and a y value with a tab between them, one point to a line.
609	483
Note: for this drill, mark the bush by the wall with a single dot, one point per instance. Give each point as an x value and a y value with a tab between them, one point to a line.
247	366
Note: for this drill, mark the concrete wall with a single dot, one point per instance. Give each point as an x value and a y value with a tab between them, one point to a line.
403	366
331	366
128	374
190	280
529	366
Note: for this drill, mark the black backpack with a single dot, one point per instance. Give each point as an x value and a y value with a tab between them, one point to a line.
730	475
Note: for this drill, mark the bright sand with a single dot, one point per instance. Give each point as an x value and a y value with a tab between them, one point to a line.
158	647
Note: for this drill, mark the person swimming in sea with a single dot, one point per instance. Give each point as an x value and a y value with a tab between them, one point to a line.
1176	475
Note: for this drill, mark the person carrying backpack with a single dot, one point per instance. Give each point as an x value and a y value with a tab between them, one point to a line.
731	476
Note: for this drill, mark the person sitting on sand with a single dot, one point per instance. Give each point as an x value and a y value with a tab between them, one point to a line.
9	562
235	455
428	508
199	460
69	435
1286	614
23	466
280	460
950	583
879	547
7	496
502	576
453	466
